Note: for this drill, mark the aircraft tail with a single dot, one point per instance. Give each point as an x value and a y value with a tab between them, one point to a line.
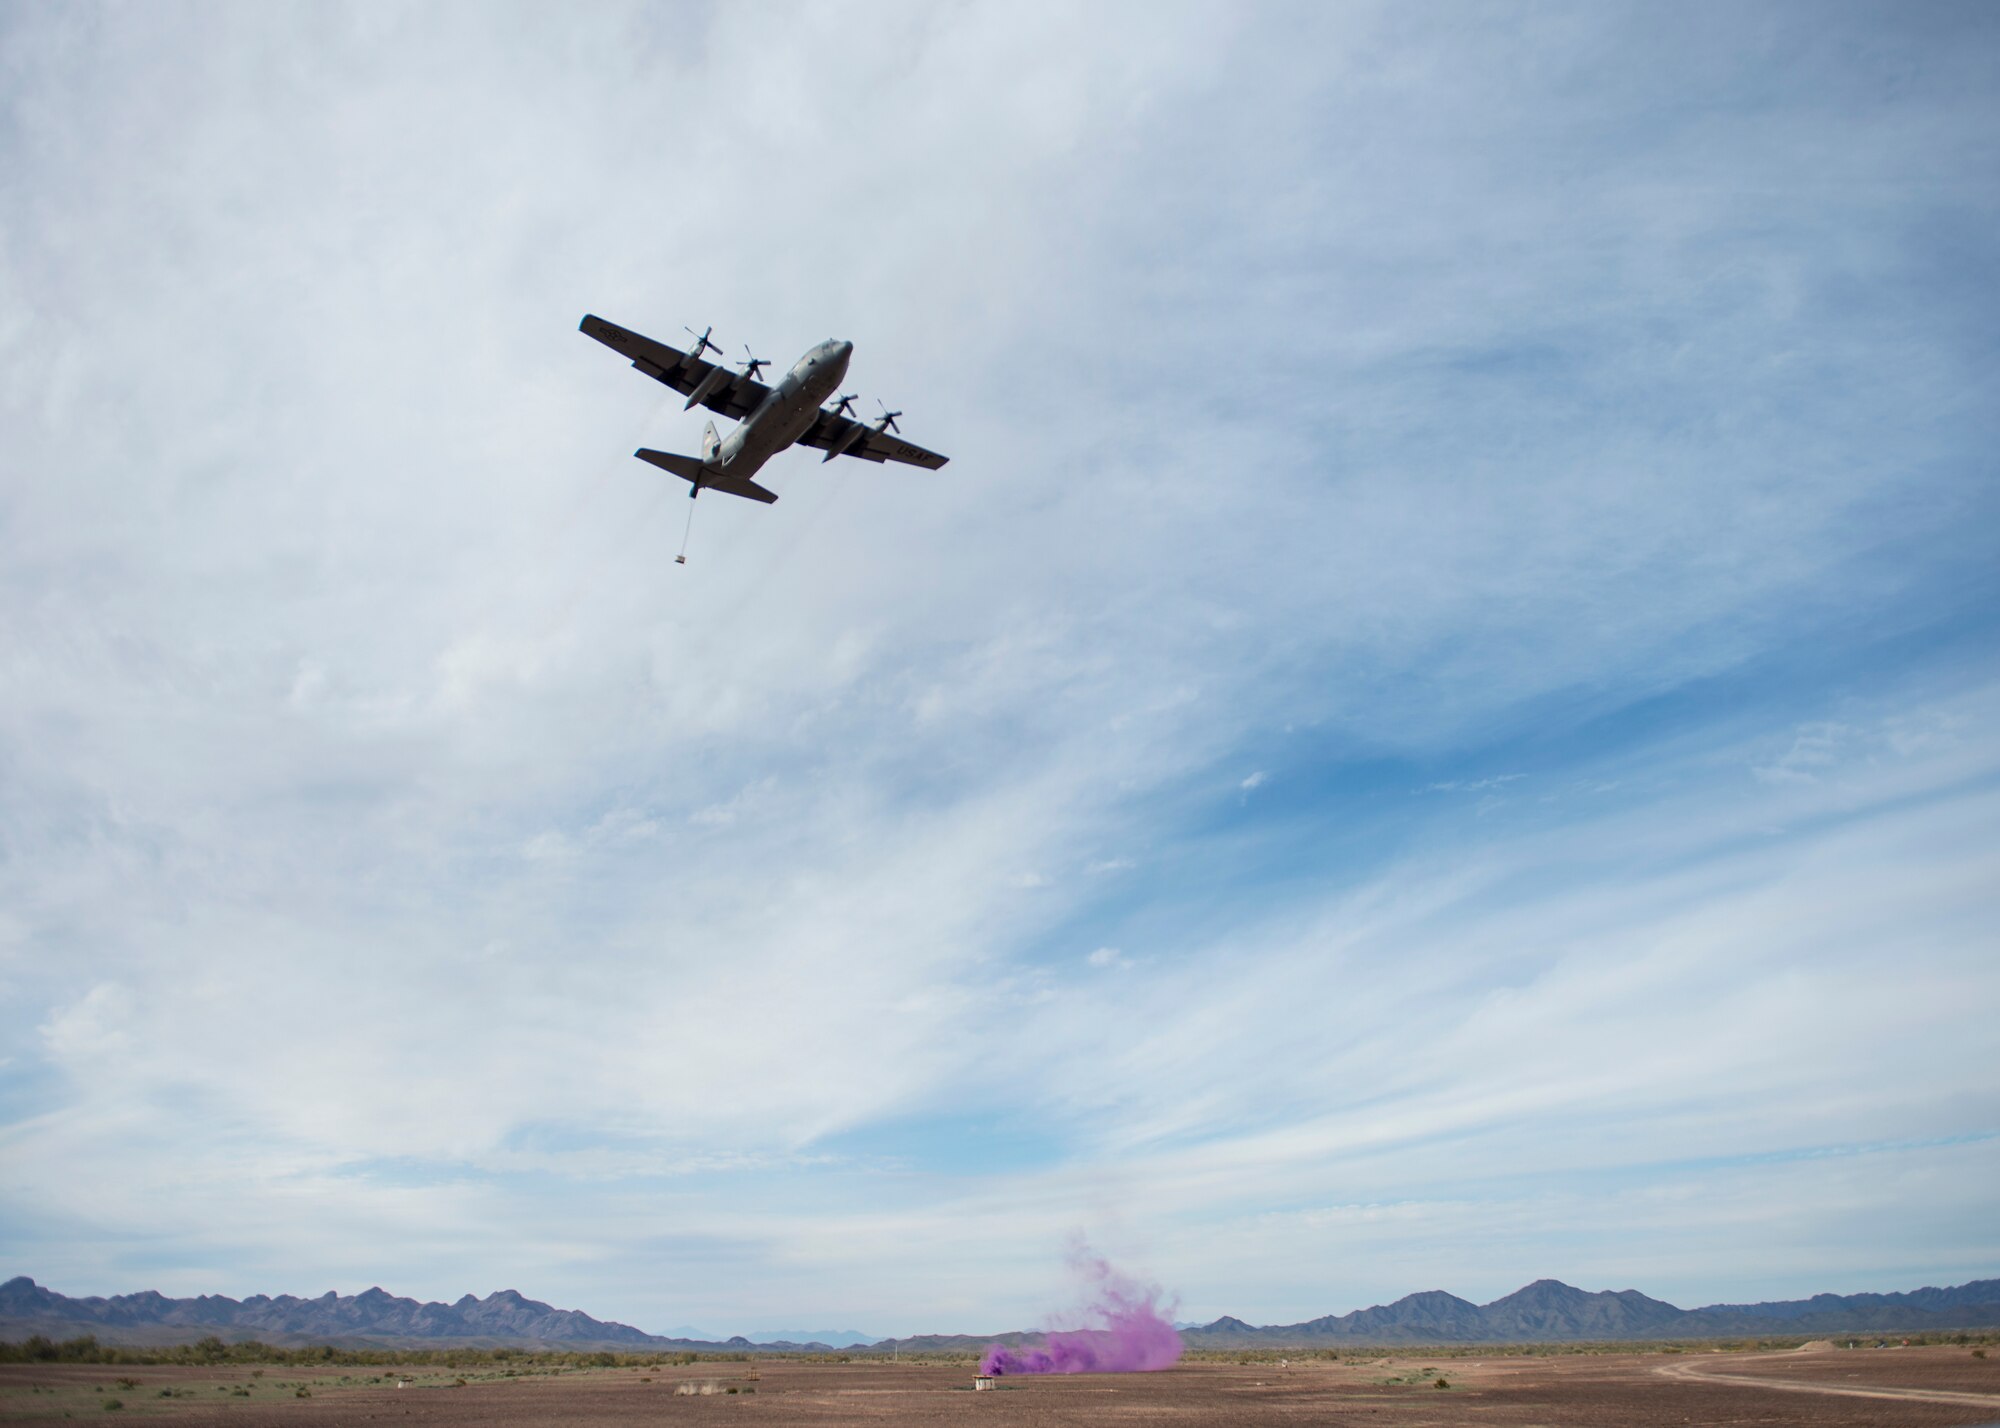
701	475
688	468
710	443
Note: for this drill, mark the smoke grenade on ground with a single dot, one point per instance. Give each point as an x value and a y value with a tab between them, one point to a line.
1124	1331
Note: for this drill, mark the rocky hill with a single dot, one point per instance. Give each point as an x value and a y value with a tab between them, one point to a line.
1549	1311
375	1317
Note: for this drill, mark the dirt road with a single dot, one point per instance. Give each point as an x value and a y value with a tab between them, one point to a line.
1829	1372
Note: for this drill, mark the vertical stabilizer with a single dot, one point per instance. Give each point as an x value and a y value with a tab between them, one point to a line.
710	443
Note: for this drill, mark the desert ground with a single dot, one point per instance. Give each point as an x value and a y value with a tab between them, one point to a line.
1944	1387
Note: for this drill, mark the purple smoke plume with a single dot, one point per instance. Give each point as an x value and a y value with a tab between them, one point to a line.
1127	1332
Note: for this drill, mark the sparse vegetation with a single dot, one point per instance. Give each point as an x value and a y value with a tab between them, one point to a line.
212	1351
1442	1382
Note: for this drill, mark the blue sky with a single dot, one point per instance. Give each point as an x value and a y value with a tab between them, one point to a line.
1439	729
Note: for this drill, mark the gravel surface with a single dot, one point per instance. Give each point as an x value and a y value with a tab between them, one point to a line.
1561	1391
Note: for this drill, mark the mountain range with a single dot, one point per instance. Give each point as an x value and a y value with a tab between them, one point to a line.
1543	1312
373	1318
1550	1311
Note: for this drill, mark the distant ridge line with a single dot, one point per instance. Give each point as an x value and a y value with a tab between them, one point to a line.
373	1318
1547	1311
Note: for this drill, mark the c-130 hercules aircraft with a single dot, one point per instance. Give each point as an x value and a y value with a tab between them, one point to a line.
772	417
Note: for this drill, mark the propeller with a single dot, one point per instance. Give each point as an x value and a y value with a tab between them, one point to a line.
887	421
701	342
840	408
750	367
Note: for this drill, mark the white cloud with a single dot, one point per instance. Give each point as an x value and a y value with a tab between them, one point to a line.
1815	748
93	1027
1476	785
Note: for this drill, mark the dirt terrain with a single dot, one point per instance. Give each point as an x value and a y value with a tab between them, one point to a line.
1917	1388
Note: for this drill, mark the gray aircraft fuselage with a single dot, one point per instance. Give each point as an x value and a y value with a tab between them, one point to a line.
784	416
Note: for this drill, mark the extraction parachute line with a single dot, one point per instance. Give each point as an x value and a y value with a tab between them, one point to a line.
682	558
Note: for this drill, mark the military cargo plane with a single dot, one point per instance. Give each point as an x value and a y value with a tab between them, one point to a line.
771	417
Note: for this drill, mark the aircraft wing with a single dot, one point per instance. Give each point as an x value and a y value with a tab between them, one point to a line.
735	396
830	433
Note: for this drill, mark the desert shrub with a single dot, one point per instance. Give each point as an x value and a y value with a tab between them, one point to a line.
40	1348
112	1405
1442	1382
212	1350
1979	1353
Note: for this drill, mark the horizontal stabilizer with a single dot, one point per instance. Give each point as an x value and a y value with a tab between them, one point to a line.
705	477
